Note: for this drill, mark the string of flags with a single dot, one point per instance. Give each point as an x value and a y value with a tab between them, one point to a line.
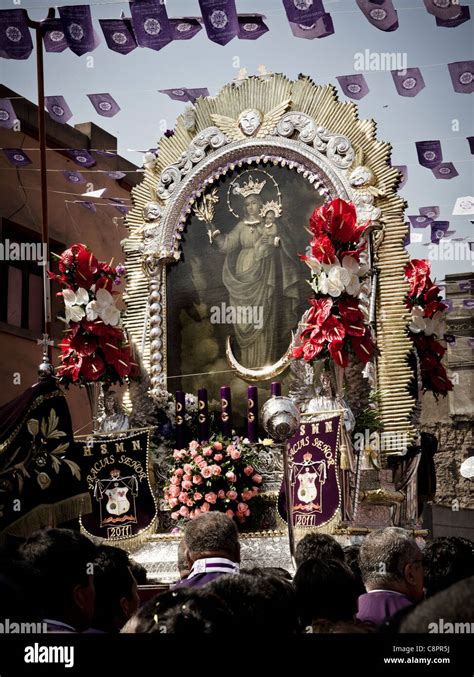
150	27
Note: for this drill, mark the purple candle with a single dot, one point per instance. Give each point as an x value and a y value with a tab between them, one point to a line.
203	415
226	412
180	425
252	413
276	389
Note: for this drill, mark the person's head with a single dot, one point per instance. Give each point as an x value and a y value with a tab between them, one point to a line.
325	588
443	610
65	562
211	535
183	566
446	561
351	558
270	217
139	572
390	559
318	546
253	204
18	589
186	611
115	588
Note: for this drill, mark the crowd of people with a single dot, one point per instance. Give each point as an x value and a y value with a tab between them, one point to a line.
388	584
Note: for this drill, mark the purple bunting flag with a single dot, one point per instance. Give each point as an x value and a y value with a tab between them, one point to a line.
15	38
78	30
185	94
251	26
17	157
430	212
321	28
446	170
303	11
53	35
420	221
438	230
380	13
123	209
116	175
449	305
462	76
466	285
104	104
74	177
442	9
151	24
463	15
403	169
7	114
429	153
220	19
408	82
353	86
185	28
468	303
81	157
118	34
470	342
58	109
88	205
470	140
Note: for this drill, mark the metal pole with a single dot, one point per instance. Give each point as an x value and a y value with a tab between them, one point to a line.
289	503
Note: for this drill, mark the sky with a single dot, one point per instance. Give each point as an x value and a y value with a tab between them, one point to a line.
437	112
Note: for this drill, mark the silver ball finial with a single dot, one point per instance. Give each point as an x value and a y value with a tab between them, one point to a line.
280	418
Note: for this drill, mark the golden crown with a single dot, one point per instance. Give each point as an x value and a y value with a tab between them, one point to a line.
271	206
252	187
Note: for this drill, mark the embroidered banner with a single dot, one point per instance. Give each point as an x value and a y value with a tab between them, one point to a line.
313	461
116	474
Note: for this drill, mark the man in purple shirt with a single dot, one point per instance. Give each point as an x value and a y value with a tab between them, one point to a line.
213	549
391	564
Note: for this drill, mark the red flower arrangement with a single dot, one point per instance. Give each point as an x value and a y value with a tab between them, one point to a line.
94	348
217	475
335	324
427	326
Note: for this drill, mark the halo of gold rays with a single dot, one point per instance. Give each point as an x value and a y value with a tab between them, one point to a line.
321	104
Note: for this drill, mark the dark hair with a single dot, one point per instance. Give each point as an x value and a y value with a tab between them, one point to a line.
139	572
212	532
112	580
351	558
325	589
62	558
259	602
453	605
315	546
18	586
446	561
187	611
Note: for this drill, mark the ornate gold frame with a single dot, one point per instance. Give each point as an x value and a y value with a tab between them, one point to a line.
300	125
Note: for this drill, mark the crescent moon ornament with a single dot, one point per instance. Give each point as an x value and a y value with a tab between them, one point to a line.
262	373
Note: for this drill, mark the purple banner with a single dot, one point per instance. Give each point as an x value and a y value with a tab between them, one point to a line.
430	212
462	76
185	28
17	157
78	29
251	26
118	34
445	170
81	157
380	14
403	169
74	177
7	114
353	86
463	15
116	175
468	303
15	38
58	109
150	24
104	104
220	19
420	221
321	28
185	94
53	36
442	9
410	83
314	464
429	153
91	206
438	230
303	11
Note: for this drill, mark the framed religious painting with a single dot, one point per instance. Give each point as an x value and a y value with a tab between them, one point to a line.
216	284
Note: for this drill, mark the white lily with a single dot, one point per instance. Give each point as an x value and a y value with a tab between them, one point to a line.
74	304
352	266
428	325
334	281
104	307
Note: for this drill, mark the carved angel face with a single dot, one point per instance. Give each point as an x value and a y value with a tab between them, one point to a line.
249	121
152	211
361	176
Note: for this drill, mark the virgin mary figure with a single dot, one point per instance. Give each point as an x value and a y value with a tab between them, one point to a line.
260	273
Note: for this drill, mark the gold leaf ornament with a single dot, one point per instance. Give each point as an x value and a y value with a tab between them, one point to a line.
43	480
33	427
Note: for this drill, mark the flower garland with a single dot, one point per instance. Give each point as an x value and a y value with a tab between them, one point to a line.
336	324
95	348
427	326
218	475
